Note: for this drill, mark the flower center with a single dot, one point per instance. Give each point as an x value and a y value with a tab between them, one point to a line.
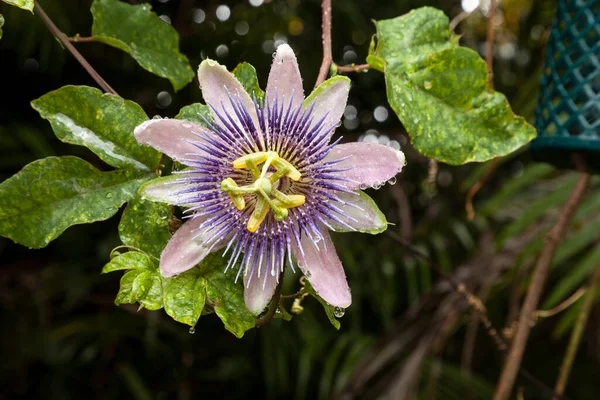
264	186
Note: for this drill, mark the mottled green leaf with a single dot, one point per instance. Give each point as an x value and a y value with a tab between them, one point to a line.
1	25
329	309
24	4
246	74
142	283
129	260
187	294
50	195
194	113
102	122
440	91
152	42
226	296
145	225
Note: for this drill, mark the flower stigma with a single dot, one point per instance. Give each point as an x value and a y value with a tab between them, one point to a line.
265	187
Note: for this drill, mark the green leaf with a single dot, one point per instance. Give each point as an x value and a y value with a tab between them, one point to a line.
440	91
1	25
145	225
246	74
329	309
226	296
50	195
142	283
194	113
24	4
152	42
187	294
129	260
102	122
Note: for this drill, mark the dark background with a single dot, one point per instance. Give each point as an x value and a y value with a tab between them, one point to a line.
63	338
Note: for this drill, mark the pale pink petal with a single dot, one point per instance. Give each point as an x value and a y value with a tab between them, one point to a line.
169	189
323	269
285	81
186	249
366	164
171	136
329	99
258	291
357	213
217	85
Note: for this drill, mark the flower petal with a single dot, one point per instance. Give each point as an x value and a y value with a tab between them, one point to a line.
258	291
329	98
323	269
217	84
185	250
358	212
168	189
365	164
284	79
171	136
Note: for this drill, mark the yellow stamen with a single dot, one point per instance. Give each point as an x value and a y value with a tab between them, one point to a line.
258	216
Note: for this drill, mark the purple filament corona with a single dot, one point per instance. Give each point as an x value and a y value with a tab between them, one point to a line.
297	137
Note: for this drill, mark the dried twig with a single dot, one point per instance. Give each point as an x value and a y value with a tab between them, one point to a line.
353	68
553	237
327	56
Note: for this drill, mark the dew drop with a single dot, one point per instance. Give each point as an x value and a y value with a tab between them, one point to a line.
307	274
109	195
192	330
339	312
427	85
392	181
363	186
186	125
318	238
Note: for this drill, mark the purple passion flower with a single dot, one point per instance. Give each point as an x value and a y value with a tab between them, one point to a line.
265	183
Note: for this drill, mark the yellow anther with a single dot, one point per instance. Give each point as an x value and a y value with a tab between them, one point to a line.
291	171
258	216
255	158
293	200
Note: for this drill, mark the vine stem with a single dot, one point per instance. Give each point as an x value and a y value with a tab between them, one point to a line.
575	340
489	61
534	292
326	36
352	68
62	38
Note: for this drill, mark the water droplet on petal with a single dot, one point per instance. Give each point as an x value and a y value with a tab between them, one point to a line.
363	186
318	238
186	125
192	330
307	274
339	312
392	181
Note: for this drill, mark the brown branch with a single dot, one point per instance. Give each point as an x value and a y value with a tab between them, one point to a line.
82	39
327	57
477	186
588	302
353	68
65	42
480	311
542	268
458	19
489	43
